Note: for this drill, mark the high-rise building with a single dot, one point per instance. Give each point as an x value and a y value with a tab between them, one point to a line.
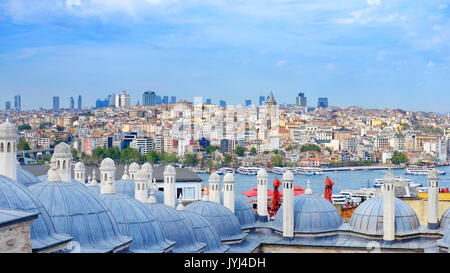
208	101
148	98
79	102
222	103
17	102
101	103
165	100
301	99
124	100
322	102
55	102
8	105
248	103
173	100
262	99
72	103
158	100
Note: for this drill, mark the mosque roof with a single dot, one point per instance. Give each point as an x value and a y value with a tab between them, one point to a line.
244	212
445	220
11	217
205	232
76	211
134	167
62	148
8	130
79	166
221	218
312	214
125	186
26	178
16	196
368	217
134	219
176	228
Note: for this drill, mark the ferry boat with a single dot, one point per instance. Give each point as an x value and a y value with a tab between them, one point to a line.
225	170
308	171
248	170
421	171
282	170
378	182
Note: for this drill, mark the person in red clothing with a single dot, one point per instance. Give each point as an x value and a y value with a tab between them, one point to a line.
275	197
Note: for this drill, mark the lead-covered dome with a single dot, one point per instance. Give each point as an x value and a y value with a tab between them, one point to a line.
76	211
8	130
244	212
125	186
204	232
134	219
445	220
312	214
79	166
43	235
26	178
221	218
62	149
368	217
176	228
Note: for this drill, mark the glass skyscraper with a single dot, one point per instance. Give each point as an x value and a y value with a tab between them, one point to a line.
322	102
72	103
79	102
262	99
148	98
301	99
55	103
17	102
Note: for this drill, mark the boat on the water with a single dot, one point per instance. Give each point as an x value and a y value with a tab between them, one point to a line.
225	170
248	170
421	171
308	171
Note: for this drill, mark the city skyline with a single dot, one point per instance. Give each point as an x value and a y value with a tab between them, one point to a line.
372	54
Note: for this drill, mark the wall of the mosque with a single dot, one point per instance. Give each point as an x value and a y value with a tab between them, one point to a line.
318	249
15	238
420	207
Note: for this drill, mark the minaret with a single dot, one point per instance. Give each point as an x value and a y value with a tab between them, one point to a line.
388	207
107	176
433	199
125	175
63	158
288	205
80	172
214	187
134	168
140	184
169	186
228	191
262	193
8	144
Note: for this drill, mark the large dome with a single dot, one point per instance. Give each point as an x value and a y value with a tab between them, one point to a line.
205	232
445	241
368	217
125	186
176	228
135	220
76	211
26	178
244	212
312	214
221	218
445	220
16	196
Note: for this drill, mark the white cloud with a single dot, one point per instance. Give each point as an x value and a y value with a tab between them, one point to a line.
430	63
330	66
443	6
280	63
373	2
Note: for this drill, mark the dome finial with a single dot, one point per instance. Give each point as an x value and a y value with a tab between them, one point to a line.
308	188
180	202
152	198
93	182
53	175
125	175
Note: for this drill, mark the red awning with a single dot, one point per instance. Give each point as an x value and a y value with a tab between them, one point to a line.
254	192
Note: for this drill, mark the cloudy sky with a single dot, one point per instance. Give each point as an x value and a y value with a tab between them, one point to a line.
371	53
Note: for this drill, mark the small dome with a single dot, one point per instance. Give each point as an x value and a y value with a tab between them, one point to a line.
205	232
141	175
134	219
368	217
176	228
79	166
288	176
134	167
244	212
76	211
169	170
221	218
312	214
262	173
147	167
16	196
107	164
159	195
228	178
62	149
26	178
8	130
445	241
445	220
214	178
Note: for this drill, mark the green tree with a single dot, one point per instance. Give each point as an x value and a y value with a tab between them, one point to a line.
275	151
98	154
23	145
276	161
209	163
190	160
309	147
74	154
399	158
24	127
130	155
253	151
227	158
153	157
239	150
168	158
113	153
289	148
211	148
